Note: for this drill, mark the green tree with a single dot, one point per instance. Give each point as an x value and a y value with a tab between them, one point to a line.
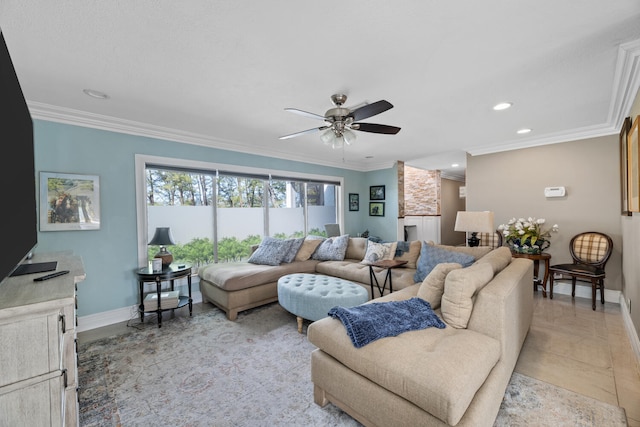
231	249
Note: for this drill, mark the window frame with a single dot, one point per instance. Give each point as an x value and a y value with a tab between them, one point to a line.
144	160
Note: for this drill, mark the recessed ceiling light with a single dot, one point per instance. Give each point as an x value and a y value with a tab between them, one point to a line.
454	165
502	106
523	131
95	94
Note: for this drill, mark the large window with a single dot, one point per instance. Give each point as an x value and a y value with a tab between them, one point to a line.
216	214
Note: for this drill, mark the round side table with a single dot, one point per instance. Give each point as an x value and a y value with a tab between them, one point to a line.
536	258
170	273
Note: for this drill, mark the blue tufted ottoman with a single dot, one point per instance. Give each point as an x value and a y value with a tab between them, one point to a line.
311	296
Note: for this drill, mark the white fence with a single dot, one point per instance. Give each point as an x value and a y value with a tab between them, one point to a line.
189	222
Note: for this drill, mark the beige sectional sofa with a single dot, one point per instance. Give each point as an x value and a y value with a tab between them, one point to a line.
451	376
235	287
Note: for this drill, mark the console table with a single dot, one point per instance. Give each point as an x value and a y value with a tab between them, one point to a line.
536	258
38	369
170	273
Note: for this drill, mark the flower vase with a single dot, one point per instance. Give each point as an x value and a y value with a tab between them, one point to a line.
527	248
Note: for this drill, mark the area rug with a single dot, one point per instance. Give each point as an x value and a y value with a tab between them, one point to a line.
208	371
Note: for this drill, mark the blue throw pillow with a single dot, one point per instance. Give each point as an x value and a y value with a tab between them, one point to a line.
294	247
430	256
332	249
270	252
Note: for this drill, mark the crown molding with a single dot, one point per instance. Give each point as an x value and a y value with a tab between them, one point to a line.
625	88
461	177
74	117
625	83
573	135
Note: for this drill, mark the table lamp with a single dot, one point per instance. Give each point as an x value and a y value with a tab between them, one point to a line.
162	238
474	222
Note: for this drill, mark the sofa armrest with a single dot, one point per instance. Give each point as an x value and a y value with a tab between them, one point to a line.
504	308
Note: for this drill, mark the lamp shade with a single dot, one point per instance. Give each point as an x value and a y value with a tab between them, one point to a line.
349	136
162	237
337	139
474	222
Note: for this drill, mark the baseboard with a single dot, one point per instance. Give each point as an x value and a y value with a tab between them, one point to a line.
583	291
631	330
106	318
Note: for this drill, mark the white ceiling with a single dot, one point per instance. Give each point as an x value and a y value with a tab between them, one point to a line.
220	73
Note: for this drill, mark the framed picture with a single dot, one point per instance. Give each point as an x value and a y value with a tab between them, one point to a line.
354	202
376	208
69	202
376	192
633	168
624	167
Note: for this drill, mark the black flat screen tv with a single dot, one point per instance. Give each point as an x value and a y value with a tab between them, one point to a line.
19	218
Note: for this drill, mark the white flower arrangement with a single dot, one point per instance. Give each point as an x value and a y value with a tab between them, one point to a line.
527	235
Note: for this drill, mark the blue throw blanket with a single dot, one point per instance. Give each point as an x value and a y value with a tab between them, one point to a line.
369	322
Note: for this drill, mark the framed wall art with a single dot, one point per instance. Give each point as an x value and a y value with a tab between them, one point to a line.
69	202
376	192
624	167
633	168
354	202
376	208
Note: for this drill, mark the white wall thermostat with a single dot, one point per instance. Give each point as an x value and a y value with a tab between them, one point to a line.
554	192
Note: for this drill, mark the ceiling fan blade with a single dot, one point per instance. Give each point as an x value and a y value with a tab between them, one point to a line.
305	113
293	135
359	105
370	110
375	128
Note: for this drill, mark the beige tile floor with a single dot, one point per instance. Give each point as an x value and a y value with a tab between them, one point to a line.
585	351
568	345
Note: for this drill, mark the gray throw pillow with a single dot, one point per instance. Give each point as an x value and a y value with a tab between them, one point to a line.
332	249
294	247
270	252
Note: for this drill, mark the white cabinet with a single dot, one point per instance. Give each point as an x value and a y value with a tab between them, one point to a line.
39	375
423	228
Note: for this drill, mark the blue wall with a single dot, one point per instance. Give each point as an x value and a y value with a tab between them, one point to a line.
110	254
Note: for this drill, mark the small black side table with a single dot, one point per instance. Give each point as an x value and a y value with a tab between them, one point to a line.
172	272
388	265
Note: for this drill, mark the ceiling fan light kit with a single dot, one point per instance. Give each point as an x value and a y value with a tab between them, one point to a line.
340	122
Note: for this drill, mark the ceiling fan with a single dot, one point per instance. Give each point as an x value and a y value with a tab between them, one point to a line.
341	121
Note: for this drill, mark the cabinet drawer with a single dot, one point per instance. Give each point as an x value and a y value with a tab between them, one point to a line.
40	402
35	344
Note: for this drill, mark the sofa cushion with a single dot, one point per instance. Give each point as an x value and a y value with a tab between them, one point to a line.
431	255
332	249
270	252
460	288
379	252
355	271
356	248
294	247
308	247
438	370
432	286
498	258
408	251
233	276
